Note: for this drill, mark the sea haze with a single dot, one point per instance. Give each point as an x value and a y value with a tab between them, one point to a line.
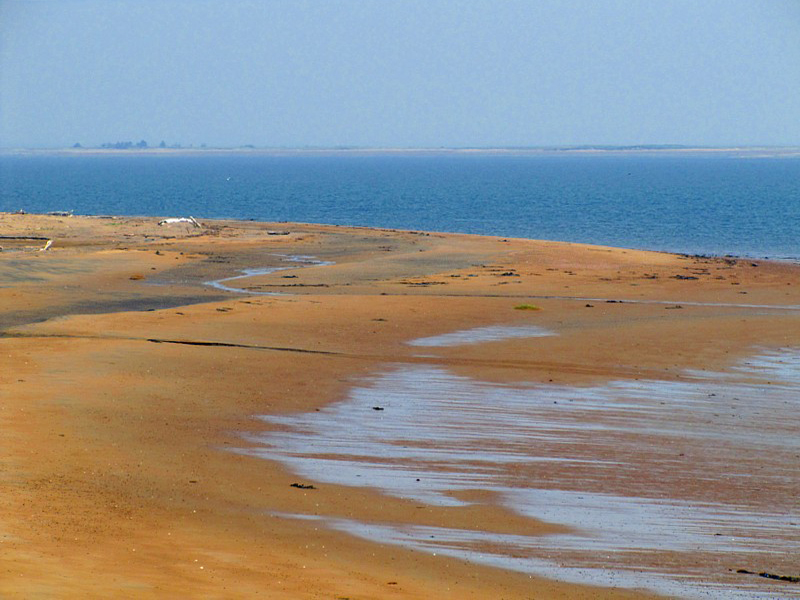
694	204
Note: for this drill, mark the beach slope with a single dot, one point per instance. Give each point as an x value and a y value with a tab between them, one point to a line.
137	358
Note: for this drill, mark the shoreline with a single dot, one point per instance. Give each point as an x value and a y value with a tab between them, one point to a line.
792	260
114	441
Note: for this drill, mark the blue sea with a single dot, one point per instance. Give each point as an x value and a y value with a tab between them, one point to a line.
682	203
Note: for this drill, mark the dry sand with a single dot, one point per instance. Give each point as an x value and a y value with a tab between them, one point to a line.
115	476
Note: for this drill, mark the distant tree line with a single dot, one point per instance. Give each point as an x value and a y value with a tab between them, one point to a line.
124	145
140	145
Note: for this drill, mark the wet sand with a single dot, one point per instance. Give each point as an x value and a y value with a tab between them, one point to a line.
135	398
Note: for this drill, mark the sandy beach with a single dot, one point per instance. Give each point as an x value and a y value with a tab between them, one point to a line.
140	406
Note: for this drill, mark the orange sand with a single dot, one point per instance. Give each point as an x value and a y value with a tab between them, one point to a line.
115	478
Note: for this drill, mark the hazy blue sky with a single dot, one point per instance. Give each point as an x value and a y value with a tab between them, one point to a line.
399	72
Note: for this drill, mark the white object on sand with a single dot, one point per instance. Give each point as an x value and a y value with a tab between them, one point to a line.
172	220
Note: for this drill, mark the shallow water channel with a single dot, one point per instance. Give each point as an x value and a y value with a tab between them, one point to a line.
295	261
666	485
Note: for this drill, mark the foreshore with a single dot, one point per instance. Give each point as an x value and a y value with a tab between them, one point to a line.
130	392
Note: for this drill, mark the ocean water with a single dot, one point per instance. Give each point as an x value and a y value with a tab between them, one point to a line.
694	204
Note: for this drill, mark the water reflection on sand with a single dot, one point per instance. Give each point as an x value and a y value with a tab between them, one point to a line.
296	262
669	485
477	335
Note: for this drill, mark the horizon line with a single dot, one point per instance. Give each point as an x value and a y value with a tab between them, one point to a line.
245	148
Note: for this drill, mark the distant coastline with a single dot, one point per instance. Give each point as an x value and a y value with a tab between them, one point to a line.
642	149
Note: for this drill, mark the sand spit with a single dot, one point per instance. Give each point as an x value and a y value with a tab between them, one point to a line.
130	395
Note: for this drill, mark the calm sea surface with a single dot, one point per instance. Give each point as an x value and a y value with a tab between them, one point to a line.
708	205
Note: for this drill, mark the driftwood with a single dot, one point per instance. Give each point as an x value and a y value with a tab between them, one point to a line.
48	242
174	220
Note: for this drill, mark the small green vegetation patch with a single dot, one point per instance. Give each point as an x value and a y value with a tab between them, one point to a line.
526	307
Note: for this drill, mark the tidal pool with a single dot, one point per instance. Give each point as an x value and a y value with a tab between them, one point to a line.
477	335
667	485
